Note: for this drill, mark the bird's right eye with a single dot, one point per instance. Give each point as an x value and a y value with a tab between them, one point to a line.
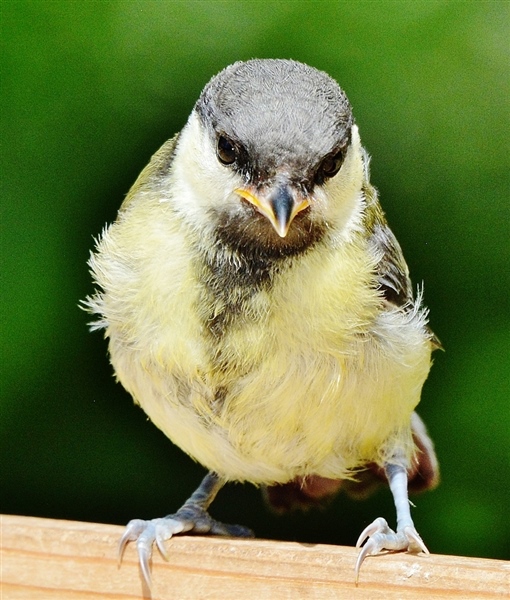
226	151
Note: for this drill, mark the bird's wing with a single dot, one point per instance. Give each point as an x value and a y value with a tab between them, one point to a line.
392	271
157	168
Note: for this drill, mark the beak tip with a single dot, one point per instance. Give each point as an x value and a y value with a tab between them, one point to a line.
280	208
282	229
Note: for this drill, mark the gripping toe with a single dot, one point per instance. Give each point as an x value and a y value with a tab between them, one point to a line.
157	531
380	537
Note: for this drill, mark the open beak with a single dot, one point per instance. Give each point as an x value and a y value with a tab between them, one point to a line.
280	205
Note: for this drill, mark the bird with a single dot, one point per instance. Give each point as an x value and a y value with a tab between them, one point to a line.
260	311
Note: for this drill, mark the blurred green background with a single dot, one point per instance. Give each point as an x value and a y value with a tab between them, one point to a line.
91	89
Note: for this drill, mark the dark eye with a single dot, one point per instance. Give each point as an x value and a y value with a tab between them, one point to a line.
226	151
331	164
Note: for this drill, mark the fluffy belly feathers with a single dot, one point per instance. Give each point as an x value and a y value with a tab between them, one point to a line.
316	375
302	411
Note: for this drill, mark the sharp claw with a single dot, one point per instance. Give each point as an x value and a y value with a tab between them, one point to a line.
381	537
133	530
361	557
412	535
123	542
371	547
144	544
161	547
378	525
144	556
363	536
157	531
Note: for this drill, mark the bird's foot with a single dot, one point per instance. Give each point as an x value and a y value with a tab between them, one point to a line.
381	537
188	519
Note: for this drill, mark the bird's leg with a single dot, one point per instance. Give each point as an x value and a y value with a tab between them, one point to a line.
191	517
380	536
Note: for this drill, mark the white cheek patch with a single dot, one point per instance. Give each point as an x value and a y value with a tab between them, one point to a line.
340	199
351	173
198	178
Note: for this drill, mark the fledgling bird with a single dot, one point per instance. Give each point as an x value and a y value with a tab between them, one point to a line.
259	308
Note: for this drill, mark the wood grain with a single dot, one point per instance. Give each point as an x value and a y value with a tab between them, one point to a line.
44	559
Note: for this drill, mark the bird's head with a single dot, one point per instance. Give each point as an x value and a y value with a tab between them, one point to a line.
270	158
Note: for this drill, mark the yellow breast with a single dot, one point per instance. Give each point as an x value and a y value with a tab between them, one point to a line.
315	378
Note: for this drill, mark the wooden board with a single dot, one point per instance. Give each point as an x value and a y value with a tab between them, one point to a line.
44	559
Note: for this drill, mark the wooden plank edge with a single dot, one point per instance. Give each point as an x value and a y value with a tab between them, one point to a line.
43	559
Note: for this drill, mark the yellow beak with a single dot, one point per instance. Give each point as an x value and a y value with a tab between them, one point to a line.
279	206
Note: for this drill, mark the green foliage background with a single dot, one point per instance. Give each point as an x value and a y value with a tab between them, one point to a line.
90	90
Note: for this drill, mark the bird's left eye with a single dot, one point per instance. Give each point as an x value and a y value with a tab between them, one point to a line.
226	151
331	164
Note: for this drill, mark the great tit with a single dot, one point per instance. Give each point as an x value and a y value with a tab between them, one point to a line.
259	308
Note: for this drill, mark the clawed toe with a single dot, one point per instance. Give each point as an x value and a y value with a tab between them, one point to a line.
381	537
146	534
415	542
156	531
378	526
